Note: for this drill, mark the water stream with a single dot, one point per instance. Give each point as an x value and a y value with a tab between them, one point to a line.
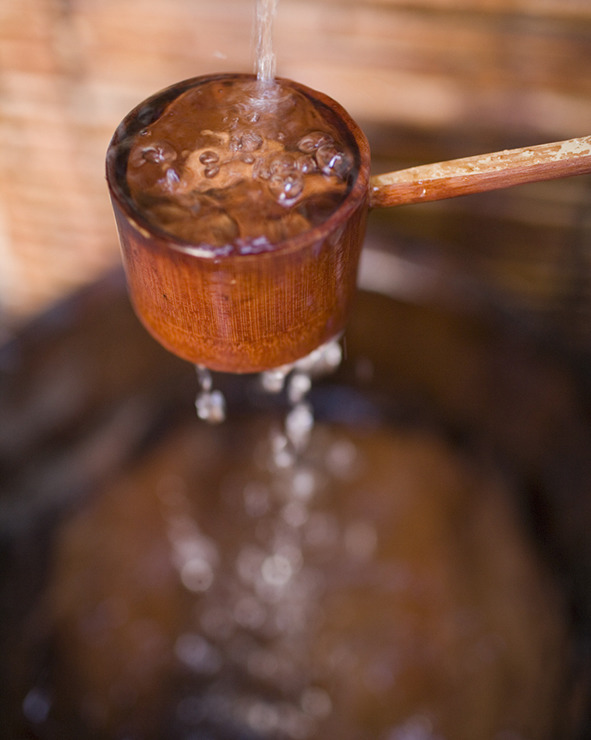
265	56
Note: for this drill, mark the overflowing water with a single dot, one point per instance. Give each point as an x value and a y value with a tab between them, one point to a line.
295	380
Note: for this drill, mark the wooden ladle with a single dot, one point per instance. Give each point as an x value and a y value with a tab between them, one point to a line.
482	172
241	313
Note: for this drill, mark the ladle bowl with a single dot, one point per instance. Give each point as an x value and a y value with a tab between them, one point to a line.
242	312
245	313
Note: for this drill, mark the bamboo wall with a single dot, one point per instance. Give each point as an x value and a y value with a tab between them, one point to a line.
427	79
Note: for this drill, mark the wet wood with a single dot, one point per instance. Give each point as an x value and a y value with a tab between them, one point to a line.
482	172
496	74
237	312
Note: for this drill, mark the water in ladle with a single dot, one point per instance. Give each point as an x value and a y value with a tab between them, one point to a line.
255	157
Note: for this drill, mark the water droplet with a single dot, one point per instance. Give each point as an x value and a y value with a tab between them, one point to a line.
211	407
299	423
273	381
299	385
209	404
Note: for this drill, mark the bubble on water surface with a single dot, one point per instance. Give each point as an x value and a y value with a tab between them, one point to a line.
307	164
312	141
157	153
249	141
283	163
286	188
333	161
209	157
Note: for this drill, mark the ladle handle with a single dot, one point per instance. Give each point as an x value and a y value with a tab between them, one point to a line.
482	172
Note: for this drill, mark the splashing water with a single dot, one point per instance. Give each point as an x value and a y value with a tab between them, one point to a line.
210	404
288	444
296	379
265	58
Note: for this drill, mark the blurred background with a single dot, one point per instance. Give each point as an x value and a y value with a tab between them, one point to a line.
427	79
466	392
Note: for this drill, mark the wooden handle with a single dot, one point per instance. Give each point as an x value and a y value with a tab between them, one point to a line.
482	172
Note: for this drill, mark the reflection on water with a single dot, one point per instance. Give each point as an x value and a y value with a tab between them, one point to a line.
379	589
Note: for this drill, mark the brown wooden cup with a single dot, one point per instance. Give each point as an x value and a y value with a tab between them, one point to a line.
243	312
251	312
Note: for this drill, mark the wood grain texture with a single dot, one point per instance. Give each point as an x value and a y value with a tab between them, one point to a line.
482	172
244	312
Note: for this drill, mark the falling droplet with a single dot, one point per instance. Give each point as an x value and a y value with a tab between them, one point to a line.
209	404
